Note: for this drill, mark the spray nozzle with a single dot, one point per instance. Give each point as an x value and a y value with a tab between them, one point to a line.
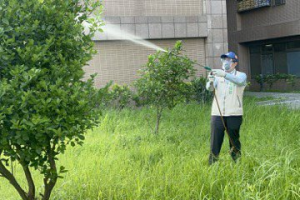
207	68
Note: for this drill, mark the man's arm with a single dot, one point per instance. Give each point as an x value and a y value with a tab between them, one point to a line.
240	80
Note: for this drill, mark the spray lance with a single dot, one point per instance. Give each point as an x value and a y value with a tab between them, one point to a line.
207	68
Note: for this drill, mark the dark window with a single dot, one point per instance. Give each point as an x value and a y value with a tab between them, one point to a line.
280	62
255	60
293	63
272	58
267	48
279	47
279	2
255	49
293	45
267	63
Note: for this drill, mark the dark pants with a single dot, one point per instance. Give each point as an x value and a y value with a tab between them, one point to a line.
233	124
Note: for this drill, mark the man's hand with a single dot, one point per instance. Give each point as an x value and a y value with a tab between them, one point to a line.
211	78
219	72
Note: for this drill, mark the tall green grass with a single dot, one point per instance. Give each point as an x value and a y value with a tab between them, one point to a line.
122	159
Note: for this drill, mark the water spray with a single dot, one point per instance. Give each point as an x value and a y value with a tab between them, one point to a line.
115	32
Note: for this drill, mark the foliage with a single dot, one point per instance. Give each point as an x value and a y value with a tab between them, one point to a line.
199	91
163	80
121	96
45	105
270	79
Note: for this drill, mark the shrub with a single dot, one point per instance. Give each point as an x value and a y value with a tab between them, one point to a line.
45	105
121	96
199	91
270	79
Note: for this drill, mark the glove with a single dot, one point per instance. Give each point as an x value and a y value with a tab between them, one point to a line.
211	78
219	72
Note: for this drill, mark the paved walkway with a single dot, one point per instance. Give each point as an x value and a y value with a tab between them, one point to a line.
290	99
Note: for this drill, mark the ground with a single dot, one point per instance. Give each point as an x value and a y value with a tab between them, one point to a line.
290	99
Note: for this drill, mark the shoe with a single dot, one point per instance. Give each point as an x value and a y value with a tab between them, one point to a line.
235	155
212	159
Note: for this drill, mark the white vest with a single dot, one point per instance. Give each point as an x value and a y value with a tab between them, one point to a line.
230	98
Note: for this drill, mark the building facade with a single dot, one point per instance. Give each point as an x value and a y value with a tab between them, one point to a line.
266	36
200	24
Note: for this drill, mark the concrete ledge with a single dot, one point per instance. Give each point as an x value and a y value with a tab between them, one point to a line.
267	32
156	27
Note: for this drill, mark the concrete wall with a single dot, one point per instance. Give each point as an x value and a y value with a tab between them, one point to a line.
157	27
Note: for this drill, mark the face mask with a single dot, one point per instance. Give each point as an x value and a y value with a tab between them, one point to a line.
226	65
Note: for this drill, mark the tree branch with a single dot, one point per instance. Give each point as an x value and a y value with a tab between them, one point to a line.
51	180
6	174
30	182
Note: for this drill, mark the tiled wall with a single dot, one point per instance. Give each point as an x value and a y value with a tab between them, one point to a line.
120	60
152	7
217	40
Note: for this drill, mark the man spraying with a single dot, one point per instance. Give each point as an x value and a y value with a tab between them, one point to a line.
227	108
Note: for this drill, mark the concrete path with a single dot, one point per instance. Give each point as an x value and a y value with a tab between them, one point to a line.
290	99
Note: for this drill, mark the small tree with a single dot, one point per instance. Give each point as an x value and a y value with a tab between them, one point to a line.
45	105
163	80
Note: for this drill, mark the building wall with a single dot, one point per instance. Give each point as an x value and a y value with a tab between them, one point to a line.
261	24
217	37
120	61
201	24
152	7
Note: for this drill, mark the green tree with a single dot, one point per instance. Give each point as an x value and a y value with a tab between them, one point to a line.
163	80
45	104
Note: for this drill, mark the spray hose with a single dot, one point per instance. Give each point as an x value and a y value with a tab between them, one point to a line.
233	148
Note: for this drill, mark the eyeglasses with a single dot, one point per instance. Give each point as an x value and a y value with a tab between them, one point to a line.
226	59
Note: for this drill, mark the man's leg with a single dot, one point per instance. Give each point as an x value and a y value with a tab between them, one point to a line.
233	126
216	138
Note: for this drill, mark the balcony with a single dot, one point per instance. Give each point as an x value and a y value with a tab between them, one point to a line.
245	5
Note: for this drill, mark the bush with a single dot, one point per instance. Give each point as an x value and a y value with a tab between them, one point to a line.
199	91
104	97
270	79
121	96
45	105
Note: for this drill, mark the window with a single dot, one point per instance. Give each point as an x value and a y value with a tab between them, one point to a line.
275	57
255	60
293	63
279	47
279	2
293	45
267	48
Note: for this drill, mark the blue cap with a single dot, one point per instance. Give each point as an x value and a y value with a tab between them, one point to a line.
229	55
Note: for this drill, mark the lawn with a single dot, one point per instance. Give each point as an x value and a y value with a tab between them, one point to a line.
122	159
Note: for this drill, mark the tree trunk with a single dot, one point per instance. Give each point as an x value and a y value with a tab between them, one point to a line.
8	175
158	117
50	181
30	182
